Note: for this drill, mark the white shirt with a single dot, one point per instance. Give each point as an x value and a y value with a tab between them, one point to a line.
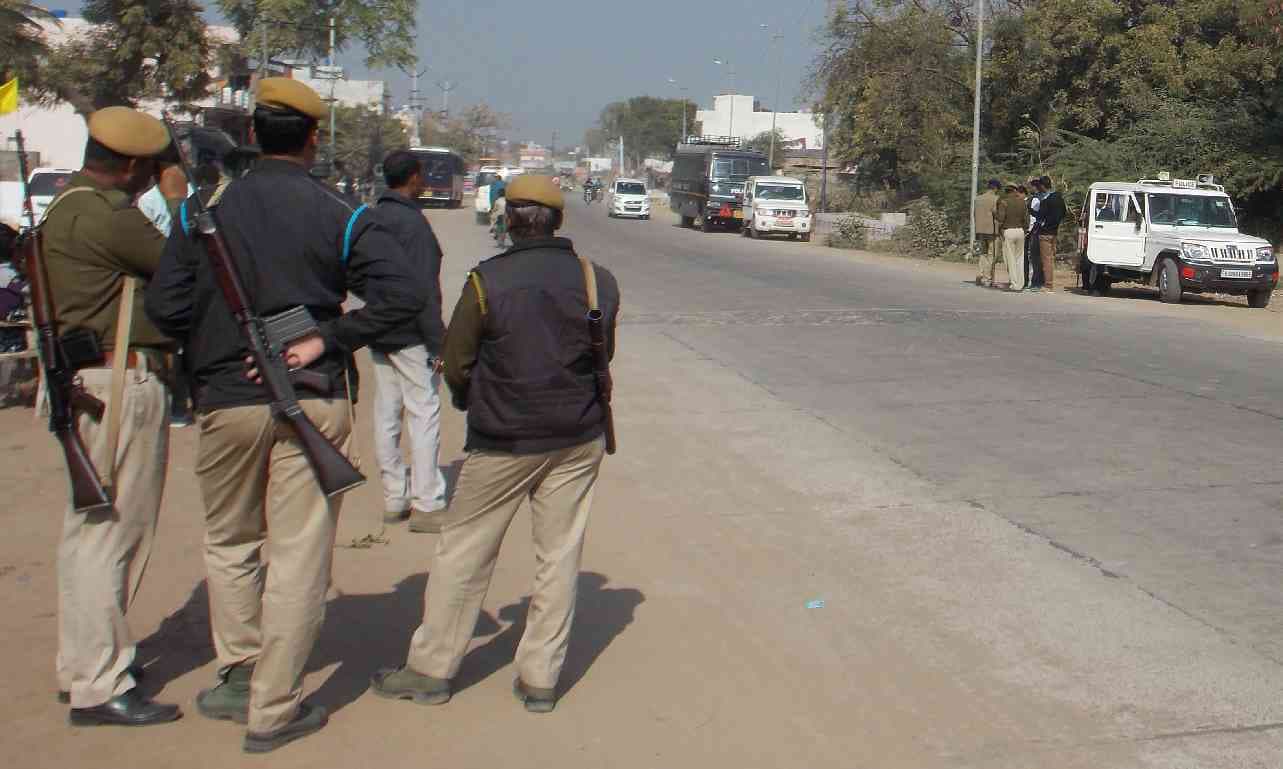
154	206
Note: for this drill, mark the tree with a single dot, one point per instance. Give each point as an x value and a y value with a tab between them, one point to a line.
137	49
363	136
472	133
22	43
651	127
300	28
762	143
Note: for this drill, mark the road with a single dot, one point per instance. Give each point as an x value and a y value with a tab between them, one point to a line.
863	515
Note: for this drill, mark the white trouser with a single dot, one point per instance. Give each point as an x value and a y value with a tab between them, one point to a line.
1013	254
404	384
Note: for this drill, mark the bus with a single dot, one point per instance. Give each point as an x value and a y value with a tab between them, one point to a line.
443	174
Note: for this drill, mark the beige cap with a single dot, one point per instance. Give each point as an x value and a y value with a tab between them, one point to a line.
290	94
128	132
535	189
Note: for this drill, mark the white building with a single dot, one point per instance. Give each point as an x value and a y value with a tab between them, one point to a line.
59	134
733	115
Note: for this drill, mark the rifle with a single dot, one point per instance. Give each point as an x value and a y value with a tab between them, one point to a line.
334	472
600	355
65	392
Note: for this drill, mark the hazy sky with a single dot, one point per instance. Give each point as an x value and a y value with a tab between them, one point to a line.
553	64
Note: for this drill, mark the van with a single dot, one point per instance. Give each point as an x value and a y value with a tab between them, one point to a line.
707	186
776	204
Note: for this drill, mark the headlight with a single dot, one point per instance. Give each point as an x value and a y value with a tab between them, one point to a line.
1265	254
717	188
1194	251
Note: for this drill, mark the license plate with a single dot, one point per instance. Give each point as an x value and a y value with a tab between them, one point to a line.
1236	273
737	214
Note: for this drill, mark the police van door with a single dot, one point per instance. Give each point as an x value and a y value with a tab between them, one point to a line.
1116	234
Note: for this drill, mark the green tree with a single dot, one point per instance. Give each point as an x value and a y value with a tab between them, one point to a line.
762	143
300	28
651	127
363	136
472	132
136	49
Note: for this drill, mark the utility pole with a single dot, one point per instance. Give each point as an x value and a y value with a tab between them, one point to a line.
824	163
731	69
621	156
416	107
975	129
446	87
333	101
683	90
779	87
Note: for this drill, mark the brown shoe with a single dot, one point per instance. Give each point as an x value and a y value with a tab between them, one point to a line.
427	521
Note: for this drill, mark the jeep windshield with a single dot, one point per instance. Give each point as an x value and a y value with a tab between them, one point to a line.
779	192
1192	210
738	168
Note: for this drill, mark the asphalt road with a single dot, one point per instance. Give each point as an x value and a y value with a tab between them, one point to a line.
862	515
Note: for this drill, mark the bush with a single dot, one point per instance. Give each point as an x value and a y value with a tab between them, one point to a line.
849	232
927	232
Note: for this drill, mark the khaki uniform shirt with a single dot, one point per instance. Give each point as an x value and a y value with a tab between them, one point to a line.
1011	212
986	209
92	240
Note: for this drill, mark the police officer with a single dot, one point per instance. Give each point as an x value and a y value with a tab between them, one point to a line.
517	358
95	241
295	242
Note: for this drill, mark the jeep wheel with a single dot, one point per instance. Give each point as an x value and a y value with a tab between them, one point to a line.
688	222
1260	298
705	225
1098	283
806	237
1169	282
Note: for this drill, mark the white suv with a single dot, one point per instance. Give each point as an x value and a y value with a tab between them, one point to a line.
44	185
628	197
1177	235
776	204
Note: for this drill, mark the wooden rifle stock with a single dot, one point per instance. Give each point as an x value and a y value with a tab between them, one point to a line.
66	395
601	372
334	473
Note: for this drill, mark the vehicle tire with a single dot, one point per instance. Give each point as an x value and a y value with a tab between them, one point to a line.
1259	298
705	225
688	222
1098	283
792	236
1169	282
806	237
646	218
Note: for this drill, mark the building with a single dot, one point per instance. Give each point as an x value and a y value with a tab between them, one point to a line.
532	156
733	115
58	134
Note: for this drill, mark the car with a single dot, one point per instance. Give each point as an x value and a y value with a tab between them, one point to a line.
1178	235
44	185
628	197
776	204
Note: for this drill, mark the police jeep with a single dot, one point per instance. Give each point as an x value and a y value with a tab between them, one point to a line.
1179	235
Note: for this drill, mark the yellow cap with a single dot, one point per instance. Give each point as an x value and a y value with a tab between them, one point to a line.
290	94
128	132
535	189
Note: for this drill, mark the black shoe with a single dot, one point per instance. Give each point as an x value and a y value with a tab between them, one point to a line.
138	672
128	709
535	699
309	719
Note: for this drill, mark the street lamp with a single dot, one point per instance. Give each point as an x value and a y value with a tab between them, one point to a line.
779	80
731	69
975	130
683	89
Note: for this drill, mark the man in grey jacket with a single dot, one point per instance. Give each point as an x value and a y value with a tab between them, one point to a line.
407	363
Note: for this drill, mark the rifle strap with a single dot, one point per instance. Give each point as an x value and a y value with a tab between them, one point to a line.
61	197
124	328
590	281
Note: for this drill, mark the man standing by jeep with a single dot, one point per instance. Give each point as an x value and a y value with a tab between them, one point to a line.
1051	212
987	235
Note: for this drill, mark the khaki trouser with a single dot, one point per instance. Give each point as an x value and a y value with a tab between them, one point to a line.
1047	250
1013	254
259	489
989	256
102	556
559	485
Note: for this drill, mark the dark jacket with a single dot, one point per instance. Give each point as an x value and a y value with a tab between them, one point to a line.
1051	212
517	354
288	235
405	220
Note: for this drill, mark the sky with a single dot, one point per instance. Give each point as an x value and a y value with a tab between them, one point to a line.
553	64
